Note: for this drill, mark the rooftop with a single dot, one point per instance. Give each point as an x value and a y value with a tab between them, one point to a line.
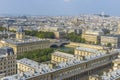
62	54
39	68
27	40
94	32
113	75
95	51
74	61
111	35
4	51
14	77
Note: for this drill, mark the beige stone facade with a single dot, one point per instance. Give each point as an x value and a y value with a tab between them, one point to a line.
114	40
23	43
92	39
58	57
23	47
82	52
74	45
92	36
20	35
59	34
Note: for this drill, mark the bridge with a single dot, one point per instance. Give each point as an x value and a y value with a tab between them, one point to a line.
59	43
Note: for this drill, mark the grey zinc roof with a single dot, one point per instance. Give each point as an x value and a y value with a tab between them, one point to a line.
113	75
6	51
27	40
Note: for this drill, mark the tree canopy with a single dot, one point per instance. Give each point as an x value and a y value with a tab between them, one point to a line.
2	28
40	55
40	34
74	37
109	45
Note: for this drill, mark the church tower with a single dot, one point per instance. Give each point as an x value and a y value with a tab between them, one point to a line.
20	34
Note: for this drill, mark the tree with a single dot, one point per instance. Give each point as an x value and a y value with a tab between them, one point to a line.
39	55
74	38
83	40
2	29
40	34
98	42
109	45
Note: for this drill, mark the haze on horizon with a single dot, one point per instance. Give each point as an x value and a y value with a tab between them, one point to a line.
59	7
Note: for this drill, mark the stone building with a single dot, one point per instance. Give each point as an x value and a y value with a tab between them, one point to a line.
23	43
92	36
111	41
7	62
58	57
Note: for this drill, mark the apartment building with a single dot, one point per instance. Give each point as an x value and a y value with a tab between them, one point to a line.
73	69
7	62
110	40
92	36
75	44
58	57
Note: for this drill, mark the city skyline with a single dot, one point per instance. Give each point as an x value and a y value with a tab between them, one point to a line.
59	7
59	40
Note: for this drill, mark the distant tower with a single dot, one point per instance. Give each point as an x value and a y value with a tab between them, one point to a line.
20	34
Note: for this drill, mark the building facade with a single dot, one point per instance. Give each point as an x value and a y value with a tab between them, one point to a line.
71	70
92	36
7	62
59	34
74	45
81	52
110	40
68	67
58	57
23	43
92	39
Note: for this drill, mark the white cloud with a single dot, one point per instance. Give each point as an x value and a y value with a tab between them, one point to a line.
67	0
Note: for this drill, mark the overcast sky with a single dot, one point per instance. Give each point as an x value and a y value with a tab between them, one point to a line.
59	7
